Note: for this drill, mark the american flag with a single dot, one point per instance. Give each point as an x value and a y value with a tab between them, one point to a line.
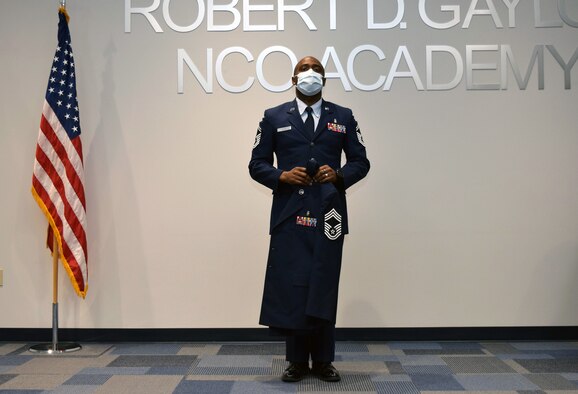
58	178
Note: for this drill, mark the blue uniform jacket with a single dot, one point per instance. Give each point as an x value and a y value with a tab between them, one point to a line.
307	222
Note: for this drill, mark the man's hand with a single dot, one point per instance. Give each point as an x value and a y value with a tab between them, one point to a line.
297	176
325	174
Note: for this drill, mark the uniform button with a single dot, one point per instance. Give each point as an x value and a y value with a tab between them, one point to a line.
272	248
312	143
301	192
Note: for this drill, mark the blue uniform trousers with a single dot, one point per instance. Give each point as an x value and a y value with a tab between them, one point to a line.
319	344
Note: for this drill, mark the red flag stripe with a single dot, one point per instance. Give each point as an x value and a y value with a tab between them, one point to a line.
74	211
49	143
73	265
71	229
75	155
73	250
65	148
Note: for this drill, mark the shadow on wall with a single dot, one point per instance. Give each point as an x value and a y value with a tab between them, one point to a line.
113	215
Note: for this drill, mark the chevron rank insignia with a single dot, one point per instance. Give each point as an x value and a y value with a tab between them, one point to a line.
332	224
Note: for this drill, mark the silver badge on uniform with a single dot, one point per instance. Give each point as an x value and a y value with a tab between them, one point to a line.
257	138
332	224
359	136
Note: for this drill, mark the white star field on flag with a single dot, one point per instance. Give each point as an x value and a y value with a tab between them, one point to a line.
61	92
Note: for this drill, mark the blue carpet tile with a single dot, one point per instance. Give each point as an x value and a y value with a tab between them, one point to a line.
235	368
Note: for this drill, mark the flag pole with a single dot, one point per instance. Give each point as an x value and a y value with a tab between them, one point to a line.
55	254
55	347
68	138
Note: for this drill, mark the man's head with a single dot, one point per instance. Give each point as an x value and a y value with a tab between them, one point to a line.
309	78
308	62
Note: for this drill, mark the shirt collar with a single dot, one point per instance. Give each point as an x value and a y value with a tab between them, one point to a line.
315	107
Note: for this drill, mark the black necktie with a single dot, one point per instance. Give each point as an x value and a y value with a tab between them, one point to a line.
309	123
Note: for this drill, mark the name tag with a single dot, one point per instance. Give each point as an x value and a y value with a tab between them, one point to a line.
338	128
282	129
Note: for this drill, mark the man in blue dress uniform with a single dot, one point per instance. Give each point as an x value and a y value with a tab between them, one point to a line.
308	217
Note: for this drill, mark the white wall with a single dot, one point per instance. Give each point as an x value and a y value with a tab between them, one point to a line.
468	217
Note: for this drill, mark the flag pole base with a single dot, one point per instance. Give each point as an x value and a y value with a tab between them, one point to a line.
55	348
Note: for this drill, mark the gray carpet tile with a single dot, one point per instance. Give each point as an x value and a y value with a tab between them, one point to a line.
153	361
414	345
348	383
6	377
562	345
421	360
263	387
141	384
235	368
13	349
445	352
396	388
74	389
37	381
225	365
253	349
394	367
372	368
460	345
550	366
203	386
254	371
350	347
236	361
562	353
429	382
525	356
477	365
428	369
391	378
495	382
201	350
147	348
570	375
365	357
551	382
379	348
168	371
499	348
14	360
114	371
84	380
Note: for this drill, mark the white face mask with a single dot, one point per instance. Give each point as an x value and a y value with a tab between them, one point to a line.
309	82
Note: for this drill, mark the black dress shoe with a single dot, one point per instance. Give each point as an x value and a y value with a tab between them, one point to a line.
326	372
295	372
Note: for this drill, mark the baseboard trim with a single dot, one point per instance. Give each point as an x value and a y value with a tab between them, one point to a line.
375	334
